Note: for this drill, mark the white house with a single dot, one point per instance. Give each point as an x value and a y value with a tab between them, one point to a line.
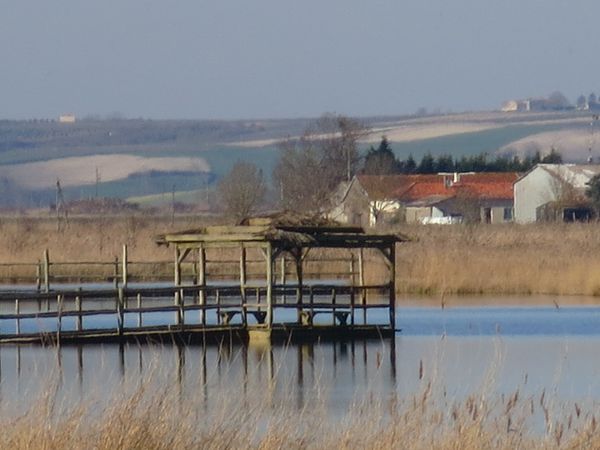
66	118
548	183
369	200
366	199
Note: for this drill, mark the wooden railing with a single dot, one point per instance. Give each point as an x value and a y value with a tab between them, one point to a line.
121	270
129	308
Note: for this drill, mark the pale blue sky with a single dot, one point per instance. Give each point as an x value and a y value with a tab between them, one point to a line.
283	58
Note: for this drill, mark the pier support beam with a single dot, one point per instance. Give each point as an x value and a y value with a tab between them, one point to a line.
124	268
392	259
202	282
269	258
177	273
299	279
243	273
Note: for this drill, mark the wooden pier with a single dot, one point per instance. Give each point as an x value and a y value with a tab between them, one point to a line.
199	309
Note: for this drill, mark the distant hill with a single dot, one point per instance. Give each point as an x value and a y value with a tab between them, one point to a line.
217	145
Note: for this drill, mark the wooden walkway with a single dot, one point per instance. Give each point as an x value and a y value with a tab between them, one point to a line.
192	313
271	307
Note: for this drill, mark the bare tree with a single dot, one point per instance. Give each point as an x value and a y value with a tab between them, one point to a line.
241	191
311	167
300	177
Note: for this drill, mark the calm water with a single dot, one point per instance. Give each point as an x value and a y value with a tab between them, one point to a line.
461	350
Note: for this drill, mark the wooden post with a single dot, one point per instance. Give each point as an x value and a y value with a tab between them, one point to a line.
195	273
46	271
79	325
243	273
299	278
393	286
333	299
139	307
352	307
17	312
218	302
120	313
181	311
59	307
282	279
202	282
124	269
269	257
38	276
177	274
116	272
361	283
352	268
311	301
243	285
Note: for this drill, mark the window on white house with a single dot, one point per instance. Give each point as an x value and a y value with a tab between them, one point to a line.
508	214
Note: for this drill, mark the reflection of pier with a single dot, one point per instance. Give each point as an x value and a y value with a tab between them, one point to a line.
253	309
295	373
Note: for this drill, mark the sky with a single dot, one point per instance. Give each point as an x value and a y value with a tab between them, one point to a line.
239	59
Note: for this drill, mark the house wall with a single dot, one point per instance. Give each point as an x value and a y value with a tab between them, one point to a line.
496	210
496	214
354	209
415	214
536	188
380	209
353	206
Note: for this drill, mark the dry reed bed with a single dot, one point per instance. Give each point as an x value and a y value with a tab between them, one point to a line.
561	259
144	418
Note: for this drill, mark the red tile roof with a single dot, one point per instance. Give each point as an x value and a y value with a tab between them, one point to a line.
409	188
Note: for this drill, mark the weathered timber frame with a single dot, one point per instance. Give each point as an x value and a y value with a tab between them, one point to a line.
275	240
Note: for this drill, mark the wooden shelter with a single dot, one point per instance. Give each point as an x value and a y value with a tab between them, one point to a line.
293	237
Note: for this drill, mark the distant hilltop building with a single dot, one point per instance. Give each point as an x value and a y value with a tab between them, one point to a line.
554	102
515	105
66	118
589	103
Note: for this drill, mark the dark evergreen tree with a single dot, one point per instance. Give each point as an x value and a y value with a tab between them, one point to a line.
410	165
381	161
427	164
444	163
553	157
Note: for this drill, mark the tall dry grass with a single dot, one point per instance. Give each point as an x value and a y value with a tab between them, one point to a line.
145	416
560	259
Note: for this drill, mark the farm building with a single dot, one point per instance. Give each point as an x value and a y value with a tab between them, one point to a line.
370	200
554	191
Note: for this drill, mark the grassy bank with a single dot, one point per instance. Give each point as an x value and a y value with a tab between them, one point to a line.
561	259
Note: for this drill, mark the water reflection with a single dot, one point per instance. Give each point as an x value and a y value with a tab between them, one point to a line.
457	352
278	373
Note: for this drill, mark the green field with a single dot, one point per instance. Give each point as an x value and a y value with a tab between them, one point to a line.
466	144
166	198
